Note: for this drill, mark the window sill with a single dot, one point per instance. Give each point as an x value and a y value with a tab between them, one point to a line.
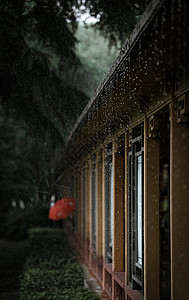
119	277
108	268
137	280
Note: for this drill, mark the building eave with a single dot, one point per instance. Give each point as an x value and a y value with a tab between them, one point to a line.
139	29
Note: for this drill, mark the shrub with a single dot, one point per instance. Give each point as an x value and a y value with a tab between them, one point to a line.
56	243
51	271
17	222
66	294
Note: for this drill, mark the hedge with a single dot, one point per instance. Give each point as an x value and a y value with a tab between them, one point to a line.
14	225
51	271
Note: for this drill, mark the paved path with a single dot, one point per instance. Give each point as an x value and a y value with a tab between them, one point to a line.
91	283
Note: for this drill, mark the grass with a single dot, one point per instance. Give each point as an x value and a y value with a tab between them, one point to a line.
12	258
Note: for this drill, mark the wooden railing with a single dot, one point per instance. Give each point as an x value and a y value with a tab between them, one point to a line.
113	283
119	285
108	279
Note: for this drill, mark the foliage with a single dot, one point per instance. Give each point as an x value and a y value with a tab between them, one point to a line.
23	159
37	55
18	222
37	43
27	152
65	294
37	107
116	18
52	271
45	235
96	60
12	257
46	80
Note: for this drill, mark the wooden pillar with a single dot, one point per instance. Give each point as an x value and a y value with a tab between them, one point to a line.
74	196
126	208
114	209
118	244
99	205
151	216
179	203
87	202
76	176
80	211
90	210
81	197
103	215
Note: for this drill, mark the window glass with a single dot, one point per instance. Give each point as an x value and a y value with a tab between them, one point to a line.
135	208
139	206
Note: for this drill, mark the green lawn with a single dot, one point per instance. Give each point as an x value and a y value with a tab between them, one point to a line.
12	258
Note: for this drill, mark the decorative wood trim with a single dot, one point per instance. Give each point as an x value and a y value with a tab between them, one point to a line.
153	126
183	109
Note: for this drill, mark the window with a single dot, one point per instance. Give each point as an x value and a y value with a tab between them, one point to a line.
135	207
139	208
94	201
108	203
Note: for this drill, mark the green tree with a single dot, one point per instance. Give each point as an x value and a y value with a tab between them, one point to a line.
96	58
117	18
24	157
38	107
37	45
45	75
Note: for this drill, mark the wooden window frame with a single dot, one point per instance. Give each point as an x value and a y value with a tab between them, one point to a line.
135	269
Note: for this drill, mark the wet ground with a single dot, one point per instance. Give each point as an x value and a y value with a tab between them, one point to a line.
91	283
12	258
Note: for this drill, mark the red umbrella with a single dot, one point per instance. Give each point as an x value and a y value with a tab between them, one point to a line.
61	209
